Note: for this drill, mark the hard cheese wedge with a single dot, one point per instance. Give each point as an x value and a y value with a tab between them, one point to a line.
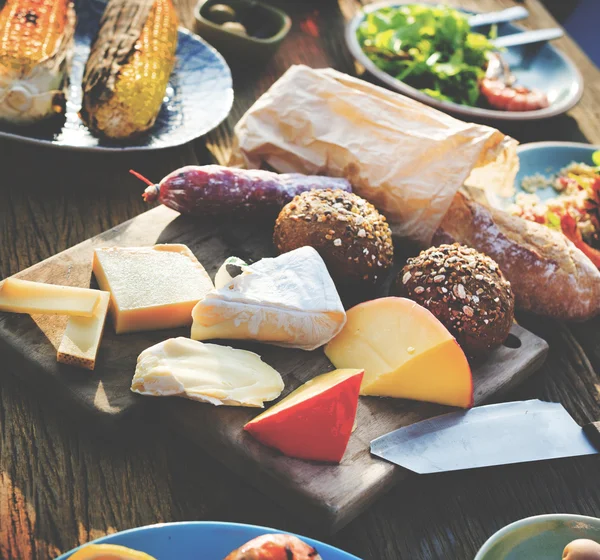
151	287
81	340
405	352
22	296
288	301
205	372
315	421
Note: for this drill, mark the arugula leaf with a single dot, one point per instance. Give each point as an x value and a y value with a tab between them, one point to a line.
428	47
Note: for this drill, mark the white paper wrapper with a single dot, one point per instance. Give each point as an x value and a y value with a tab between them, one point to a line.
405	157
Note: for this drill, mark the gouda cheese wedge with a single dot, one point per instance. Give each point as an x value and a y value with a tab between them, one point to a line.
23	296
81	340
151	287
405	352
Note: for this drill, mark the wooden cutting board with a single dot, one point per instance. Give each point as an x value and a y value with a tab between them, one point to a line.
325	495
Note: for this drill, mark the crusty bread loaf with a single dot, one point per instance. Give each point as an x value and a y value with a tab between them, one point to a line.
548	274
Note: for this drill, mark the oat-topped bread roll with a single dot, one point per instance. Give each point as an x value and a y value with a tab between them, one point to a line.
352	237
465	290
548	274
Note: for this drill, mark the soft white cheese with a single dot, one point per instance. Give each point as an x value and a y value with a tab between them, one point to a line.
210	373
288	301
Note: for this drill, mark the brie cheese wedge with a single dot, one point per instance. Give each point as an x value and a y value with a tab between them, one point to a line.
289	300
218	375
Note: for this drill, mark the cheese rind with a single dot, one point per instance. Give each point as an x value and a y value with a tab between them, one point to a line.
288	301
315	421
211	373
23	296
81	340
405	352
151	287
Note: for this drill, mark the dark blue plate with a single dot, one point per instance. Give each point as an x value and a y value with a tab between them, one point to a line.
200	540
198	98
539	66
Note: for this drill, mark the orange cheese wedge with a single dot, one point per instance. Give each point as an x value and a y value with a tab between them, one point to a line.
315	421
405	352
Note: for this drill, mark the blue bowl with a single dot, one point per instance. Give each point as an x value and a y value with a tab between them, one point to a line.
540	67
542	537
194	539
548	158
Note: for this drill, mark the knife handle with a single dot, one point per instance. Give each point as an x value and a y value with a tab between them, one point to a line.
592	431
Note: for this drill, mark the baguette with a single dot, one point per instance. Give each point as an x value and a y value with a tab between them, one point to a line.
548	274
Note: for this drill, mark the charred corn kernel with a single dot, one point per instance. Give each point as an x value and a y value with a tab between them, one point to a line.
31	31
109	552
129	104
36	38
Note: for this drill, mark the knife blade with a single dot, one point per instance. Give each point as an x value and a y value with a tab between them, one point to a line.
497	434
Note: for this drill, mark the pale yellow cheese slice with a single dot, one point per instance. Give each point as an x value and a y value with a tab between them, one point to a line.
23	296
151	287
210	373
81	340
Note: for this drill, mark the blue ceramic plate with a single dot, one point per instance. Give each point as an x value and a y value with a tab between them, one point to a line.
535	66
548	158
195	540
198	98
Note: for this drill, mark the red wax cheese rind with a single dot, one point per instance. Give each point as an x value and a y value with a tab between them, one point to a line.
405	352
315	421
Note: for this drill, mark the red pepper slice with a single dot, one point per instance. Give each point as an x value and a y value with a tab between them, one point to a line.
571	231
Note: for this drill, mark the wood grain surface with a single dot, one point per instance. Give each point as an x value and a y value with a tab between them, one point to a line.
62	484
328	496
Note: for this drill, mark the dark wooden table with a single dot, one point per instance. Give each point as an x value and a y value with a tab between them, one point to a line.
61	484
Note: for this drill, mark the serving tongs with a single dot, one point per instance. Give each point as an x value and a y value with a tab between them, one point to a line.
500	16
514	39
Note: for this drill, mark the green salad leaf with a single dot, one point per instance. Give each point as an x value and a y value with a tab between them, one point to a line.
596	158
429	48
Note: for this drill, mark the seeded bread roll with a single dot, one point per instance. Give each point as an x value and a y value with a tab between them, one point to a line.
352	237
466	291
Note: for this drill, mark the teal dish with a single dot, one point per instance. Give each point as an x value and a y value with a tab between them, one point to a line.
540	66
548	158
542	537
266	27
198	98
195	540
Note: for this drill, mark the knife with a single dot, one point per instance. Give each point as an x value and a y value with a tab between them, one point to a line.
497	434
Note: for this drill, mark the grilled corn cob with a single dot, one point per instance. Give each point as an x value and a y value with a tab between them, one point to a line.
129	66
36	39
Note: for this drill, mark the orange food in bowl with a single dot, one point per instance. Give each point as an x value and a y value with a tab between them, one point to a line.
109	552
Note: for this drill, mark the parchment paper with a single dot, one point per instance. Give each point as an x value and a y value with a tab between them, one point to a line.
405	157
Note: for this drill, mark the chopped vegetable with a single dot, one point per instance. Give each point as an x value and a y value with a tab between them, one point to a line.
575	210
429	48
